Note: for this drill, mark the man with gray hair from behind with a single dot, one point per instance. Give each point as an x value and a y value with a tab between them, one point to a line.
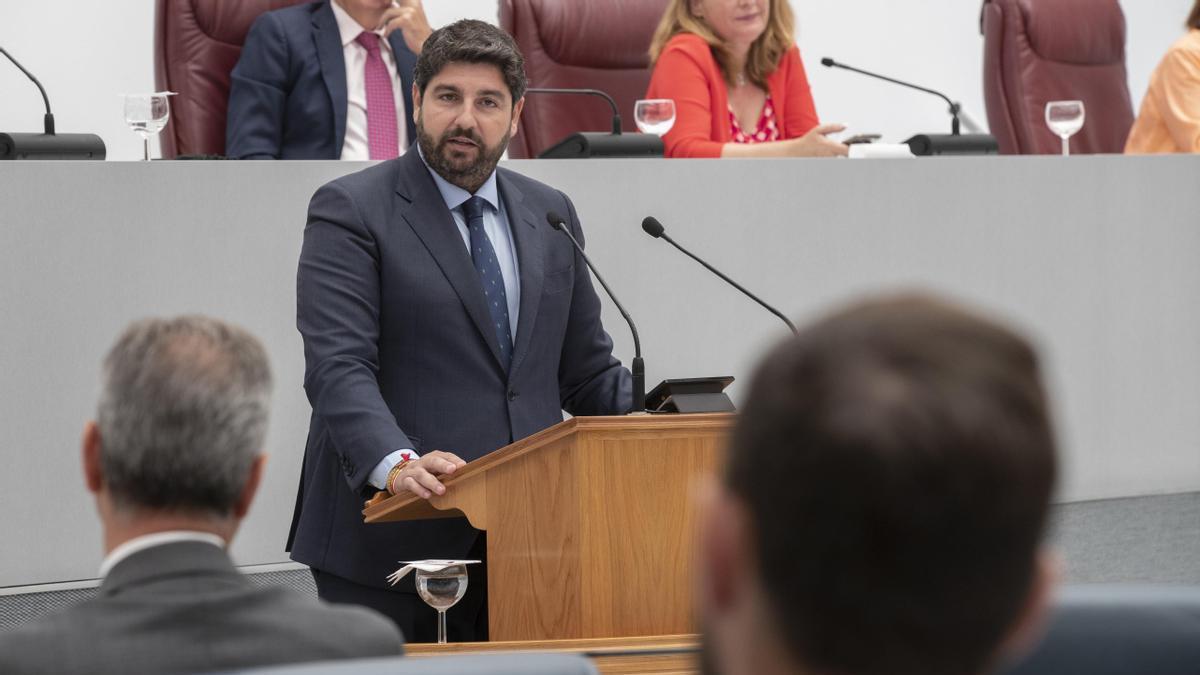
174	459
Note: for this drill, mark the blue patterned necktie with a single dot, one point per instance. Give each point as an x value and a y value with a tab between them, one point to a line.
484	257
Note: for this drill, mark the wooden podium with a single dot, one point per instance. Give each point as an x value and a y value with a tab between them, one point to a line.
589	524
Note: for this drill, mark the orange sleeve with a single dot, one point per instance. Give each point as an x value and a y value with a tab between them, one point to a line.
1178	98
800	114
679	76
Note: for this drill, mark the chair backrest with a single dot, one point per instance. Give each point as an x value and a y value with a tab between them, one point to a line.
1116	630
1036	51
196	45
596	44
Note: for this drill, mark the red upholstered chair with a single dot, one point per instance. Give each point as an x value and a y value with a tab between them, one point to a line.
196	45
598	44
1037	51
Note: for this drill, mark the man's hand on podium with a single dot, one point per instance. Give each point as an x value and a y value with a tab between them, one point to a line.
419	476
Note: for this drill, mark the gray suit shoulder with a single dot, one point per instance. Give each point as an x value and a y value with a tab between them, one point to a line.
362	631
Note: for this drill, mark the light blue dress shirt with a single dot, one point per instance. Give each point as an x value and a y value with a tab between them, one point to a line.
495	224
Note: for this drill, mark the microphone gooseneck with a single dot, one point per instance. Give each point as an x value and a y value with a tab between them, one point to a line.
49	119
638	367
616	121
655	229
955	108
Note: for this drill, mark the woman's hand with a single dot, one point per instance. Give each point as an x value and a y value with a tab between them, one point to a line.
817	144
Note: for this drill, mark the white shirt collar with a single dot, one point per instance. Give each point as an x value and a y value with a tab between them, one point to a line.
146	541
454	196
349	29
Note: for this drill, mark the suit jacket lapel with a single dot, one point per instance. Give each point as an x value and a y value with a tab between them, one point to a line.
333	69
429	218
531	261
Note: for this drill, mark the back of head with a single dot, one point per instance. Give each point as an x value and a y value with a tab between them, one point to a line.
1193	20
182	415
471	41
897	461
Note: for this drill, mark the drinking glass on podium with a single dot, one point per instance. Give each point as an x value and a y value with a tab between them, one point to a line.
1065	118
147	114
441	590
654	115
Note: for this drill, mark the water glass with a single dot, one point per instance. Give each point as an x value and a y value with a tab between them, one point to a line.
441	590
147	114
1065	118
654	116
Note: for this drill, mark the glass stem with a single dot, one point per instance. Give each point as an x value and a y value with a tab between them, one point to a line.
1066	146
441	627
146	141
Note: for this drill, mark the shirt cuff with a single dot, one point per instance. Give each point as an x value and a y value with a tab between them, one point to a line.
378	475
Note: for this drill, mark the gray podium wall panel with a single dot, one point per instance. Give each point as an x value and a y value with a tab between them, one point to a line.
1094	256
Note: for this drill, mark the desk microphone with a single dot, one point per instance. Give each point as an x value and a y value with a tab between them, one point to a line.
639	368
655	229
616	120
954	143
954	107
583	144
47	145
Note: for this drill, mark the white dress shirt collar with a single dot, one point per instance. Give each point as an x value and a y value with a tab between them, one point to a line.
138	544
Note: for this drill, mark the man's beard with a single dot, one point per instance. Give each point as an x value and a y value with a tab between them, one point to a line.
466	174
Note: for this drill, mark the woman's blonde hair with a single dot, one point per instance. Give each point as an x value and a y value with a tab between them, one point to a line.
764	54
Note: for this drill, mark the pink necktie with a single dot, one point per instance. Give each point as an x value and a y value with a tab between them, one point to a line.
382	137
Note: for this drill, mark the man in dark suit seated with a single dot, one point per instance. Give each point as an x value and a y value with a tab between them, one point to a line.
174	459
326	80
884	501
442	318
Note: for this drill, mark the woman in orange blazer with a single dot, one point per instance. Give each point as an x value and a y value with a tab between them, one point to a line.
1169	120
734	72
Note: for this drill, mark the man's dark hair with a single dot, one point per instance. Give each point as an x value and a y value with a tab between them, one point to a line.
897	461
1194	18
471	41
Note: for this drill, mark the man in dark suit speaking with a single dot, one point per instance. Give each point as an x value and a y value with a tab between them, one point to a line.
326	80
174	458
439	312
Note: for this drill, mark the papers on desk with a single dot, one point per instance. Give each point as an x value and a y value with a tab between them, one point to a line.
880	151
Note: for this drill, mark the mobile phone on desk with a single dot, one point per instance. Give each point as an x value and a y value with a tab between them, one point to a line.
861	138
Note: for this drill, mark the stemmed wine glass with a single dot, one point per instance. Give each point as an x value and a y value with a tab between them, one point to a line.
441	590
1065	118
147	114
654	115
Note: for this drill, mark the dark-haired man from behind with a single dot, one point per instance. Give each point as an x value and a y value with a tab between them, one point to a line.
174	459
884	501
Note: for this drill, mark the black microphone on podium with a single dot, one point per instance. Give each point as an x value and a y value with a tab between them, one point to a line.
584	144
48	145
956	143
655	229
638	367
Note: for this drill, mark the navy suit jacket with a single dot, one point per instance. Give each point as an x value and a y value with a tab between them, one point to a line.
400	352
287	95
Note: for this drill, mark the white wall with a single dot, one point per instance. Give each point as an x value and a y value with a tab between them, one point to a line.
87	53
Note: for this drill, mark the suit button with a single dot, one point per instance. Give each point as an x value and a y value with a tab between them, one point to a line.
512	395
